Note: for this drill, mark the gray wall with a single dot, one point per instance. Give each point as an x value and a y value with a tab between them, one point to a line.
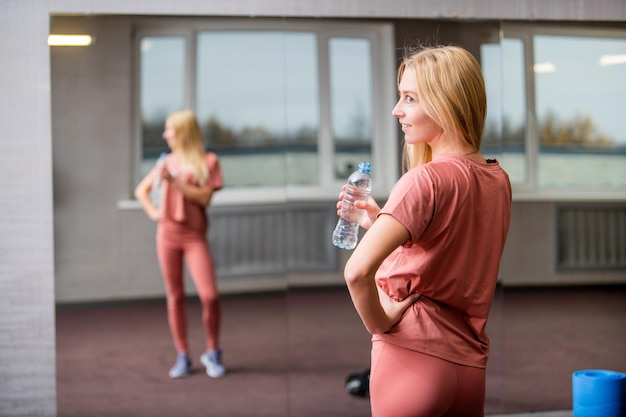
92	151
530	254
27	240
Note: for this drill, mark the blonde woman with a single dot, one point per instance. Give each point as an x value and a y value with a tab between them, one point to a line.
189	177
422	278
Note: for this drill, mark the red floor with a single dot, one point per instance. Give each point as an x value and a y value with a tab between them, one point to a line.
289	354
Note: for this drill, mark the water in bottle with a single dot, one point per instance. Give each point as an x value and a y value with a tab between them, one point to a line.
359	187
157	191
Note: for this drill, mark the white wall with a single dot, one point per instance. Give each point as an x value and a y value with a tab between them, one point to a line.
601	10
27	360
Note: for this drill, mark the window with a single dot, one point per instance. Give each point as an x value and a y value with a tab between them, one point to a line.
259	106
505	126
573	84
283	105
351	102
580	102
162	91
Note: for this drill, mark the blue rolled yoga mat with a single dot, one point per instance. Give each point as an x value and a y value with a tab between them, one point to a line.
599	393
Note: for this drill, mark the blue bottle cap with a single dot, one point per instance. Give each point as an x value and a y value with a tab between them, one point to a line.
365	167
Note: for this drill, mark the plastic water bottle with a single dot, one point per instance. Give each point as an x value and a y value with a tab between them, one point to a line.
358	188
157	180
157	190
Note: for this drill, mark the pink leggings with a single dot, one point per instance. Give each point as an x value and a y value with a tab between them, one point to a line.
405	383
174	244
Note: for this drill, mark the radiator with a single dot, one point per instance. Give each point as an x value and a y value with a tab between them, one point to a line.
591	237
261	240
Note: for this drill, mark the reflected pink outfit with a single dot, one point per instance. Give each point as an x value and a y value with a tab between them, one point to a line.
182	236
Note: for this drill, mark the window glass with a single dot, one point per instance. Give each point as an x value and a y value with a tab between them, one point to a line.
161	91
513	110
257	98
302	108
351	102
289	109
490	56
580	97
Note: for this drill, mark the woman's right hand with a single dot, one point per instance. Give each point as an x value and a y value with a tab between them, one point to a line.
154	215
394	309
370	206
142	194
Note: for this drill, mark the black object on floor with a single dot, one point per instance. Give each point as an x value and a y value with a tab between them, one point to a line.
358	383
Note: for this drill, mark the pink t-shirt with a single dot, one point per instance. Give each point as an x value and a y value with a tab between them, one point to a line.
457	212
177	210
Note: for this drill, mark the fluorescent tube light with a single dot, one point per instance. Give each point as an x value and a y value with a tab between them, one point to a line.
544	67
606	60
69	40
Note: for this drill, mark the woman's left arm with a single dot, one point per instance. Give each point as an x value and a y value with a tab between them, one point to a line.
200	195
385	235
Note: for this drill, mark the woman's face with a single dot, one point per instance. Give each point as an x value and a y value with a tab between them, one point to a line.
169	134
416	124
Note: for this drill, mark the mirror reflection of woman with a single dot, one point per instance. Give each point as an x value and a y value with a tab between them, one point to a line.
188	176
423	277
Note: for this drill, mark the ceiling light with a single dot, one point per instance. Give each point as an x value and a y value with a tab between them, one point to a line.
606	60
69	40
544	67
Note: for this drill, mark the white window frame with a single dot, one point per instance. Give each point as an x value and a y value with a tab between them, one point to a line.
530	190
384	146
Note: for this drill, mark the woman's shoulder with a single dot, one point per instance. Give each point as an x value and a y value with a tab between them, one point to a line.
210	157
418	176
418	171
435	171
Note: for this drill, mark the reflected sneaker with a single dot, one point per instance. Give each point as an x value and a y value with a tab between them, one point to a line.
182	367
212	359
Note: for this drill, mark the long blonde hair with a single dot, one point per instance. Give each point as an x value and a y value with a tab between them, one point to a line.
188	149
451	87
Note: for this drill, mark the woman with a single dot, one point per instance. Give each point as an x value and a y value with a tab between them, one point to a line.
423	277
189	177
